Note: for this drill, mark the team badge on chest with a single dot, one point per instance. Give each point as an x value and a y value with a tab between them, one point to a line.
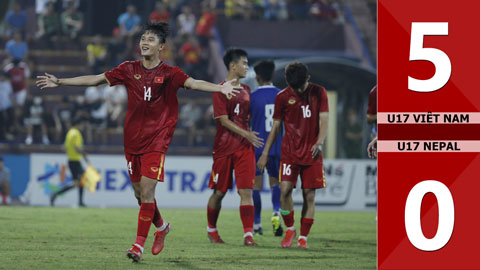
137	76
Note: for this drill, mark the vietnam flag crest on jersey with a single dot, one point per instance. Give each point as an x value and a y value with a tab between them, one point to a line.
158	79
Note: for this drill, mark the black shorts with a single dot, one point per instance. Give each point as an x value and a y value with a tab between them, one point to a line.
76	169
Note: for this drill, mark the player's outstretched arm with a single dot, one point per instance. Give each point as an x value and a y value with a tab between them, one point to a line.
322	133
50	81
251	136
227	88
262	161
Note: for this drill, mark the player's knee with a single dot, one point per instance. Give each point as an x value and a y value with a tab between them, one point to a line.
147	195
219	194
245	193
285	191
309	197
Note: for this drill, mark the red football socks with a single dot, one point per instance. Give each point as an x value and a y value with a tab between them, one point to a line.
288	219
145	216
306	225
247	213
157	218
212	217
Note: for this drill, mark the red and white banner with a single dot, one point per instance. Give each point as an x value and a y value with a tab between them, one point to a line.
429	134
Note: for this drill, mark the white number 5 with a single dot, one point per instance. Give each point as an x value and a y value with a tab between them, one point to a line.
443	66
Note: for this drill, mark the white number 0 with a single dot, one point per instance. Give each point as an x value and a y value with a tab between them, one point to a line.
446	215
443	66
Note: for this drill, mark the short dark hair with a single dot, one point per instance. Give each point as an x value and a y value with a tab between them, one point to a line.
264	69
296	74
233	55
160	29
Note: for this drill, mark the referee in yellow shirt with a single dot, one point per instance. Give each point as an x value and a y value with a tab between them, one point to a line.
75	151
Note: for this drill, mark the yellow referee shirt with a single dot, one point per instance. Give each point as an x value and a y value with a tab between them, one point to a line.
73	138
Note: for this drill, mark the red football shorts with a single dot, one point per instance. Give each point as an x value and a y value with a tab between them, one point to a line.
149	165
242	162
312	176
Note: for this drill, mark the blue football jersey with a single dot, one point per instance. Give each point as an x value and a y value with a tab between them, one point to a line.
262	104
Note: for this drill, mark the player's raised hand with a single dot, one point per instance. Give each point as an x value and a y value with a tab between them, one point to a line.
262	162
230	90
372	149
252	137
316	150
47	81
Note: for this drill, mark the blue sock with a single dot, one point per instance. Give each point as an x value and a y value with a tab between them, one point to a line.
257	203
276	198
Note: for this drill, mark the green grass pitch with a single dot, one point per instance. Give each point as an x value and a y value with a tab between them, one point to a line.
92	238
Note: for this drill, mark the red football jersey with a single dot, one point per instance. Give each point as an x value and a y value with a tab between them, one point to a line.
18	76
236	108
372	101
300	114
152	110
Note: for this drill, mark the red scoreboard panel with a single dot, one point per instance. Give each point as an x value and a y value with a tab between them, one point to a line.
429	134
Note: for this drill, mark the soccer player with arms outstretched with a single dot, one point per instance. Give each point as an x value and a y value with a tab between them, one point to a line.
303	108
150	121
233	150
261	113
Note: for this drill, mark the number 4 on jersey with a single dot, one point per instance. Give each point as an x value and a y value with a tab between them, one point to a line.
237	109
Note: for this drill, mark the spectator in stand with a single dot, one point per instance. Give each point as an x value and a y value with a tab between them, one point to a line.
16	19
116	100
353	132
80	109
72	20
298	9
186	22
18	72
275	10
116	48
62	116
190	114
35	118
41	6
16	47
129	22
4	182
160	14
191	53
48	24
323	10
96	54
6	108
66	3
233	9
95	99
205	25
242	9
206	126
167	54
